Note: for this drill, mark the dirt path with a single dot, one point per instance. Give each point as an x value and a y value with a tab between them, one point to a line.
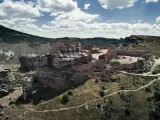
78	106
143	74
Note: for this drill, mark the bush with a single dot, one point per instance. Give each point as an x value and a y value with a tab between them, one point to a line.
154	72
113	80
157	95
65	99
122	88
149	99
127	112
102	93
98	106
70	93
103	88
96	81
148	89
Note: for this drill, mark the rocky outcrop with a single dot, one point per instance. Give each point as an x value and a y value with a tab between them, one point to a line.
48	83
29	62
62	55
69	55
54	73
6	86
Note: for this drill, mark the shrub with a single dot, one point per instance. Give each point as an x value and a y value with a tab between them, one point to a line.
98	106
148	89
65	99
70	93
102	93
96	81
149	99
127	112
103	88
157	95
154	72
122	88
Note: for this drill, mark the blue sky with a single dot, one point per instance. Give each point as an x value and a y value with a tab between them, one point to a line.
82	18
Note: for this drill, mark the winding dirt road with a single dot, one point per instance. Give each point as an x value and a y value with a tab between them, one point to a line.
78	106
143	74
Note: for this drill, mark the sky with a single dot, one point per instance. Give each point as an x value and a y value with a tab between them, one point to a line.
82	18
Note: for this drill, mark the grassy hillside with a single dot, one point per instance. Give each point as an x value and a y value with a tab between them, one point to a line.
113	107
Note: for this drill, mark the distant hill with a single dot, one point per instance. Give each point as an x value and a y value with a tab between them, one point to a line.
22	43
12	36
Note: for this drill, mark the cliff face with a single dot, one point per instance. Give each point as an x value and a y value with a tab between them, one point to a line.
68	54
30	62
59	57
54	71
48	83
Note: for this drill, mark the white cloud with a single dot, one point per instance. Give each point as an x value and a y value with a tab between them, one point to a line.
147	1
21	24
56	6
72	26
158	20
76	15
66	26
86	6
111	4
81	28
8	8
71	21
